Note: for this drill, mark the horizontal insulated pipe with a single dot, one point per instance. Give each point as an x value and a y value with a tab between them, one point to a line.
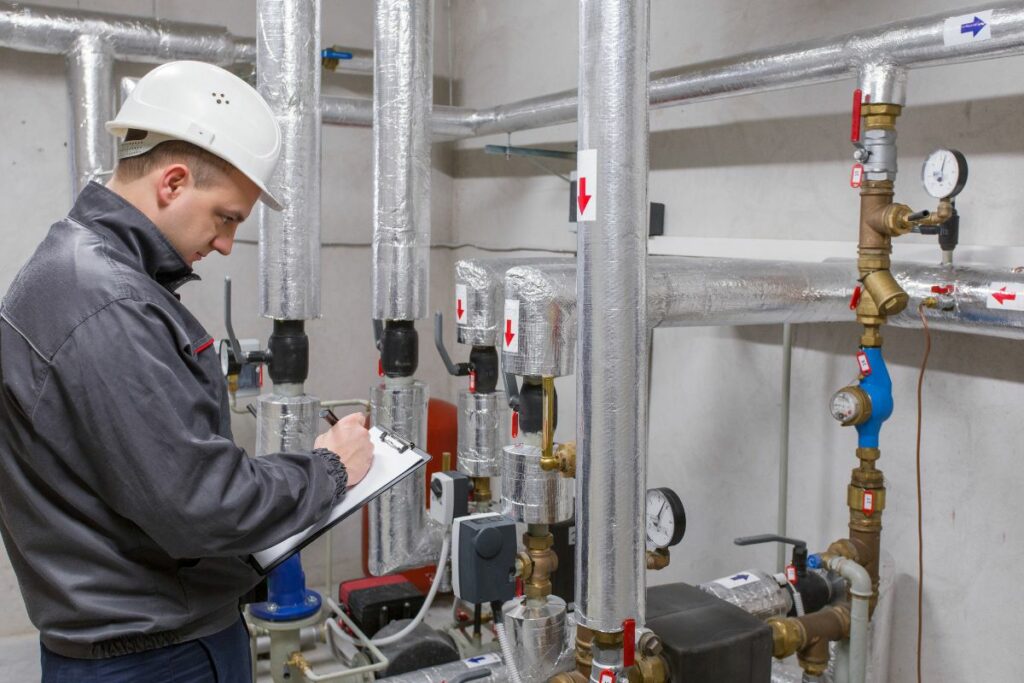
685	291
877	57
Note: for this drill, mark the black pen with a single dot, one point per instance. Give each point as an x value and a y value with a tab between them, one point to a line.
328	415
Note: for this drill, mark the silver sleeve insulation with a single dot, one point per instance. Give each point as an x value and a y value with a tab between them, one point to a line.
685	291
529	493
449	672
876	57
611	387
403	94
31	28
288	76
484	428
547	319
286	423
484	280
401	536
90	65
537	636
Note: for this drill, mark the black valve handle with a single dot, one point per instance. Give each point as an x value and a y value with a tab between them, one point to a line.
456	369
799	557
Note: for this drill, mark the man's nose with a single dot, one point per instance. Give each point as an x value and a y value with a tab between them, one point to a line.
223	244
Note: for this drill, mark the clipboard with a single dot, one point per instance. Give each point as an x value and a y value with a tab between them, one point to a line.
394	459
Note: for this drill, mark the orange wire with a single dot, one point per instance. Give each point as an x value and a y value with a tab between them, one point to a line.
920	519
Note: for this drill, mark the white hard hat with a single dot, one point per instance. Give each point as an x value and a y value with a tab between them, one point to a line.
209	107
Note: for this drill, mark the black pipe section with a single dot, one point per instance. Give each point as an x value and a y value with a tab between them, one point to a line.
399	348
484	362
531	406
288	361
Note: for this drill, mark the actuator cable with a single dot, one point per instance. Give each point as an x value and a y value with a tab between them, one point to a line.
920	518
506	646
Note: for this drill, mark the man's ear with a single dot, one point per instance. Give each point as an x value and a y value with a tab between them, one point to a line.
171	182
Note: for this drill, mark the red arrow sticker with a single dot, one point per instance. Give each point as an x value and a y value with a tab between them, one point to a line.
586	179
510	335
1006	296
460	303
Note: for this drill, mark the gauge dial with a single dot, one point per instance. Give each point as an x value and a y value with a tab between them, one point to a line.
666	518
944	173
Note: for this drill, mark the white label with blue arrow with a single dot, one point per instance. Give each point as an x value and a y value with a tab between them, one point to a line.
737	580
967	28
482	660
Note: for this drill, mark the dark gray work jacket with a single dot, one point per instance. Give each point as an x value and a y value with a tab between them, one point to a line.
127	509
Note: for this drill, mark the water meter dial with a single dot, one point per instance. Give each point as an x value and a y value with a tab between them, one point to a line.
666	518
850	406
944	173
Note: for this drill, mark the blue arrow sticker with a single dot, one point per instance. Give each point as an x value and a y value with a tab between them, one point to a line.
740	577
967	28
973	27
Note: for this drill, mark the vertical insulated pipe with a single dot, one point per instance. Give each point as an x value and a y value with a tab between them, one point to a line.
90	69
403	95
288	76
612	295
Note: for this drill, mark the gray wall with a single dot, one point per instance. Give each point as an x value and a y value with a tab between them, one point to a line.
777	166
36	192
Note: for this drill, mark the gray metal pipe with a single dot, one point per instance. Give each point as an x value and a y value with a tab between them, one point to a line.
611	284
877	58
90	66
684	291
403	94
288	76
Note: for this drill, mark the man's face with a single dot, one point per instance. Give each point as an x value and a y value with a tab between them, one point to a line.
202	220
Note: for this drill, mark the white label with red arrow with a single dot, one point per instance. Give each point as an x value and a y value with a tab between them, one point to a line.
460	303
511	333
586	185
1008	295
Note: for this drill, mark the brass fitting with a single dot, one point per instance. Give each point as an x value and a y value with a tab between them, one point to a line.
570	677
866	525
566	454
886	294
584	655
880	115
787	636
482	489
539	562
650	669
548	461
658	558
808	636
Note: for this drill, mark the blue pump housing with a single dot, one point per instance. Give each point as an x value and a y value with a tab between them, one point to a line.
878	386
287	599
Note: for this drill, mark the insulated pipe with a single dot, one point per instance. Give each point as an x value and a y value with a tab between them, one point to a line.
90	65
878	58
611	288
860	597
684	291
288	76
402	98
32	28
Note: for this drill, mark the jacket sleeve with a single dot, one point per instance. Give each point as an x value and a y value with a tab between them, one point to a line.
147	424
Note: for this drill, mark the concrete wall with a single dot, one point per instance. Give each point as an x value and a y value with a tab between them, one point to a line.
777	166
36	192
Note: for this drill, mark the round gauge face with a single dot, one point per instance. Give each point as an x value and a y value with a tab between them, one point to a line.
944	173
225	357
844	406
666	519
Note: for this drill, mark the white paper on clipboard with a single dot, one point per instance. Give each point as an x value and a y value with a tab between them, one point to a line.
393	460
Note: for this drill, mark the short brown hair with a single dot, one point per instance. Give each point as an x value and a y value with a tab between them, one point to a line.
206	168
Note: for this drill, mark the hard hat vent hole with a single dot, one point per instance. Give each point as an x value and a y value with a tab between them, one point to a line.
221	99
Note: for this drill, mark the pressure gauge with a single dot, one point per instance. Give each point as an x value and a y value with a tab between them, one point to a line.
944	173
666	518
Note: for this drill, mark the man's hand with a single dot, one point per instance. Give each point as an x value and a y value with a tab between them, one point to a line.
350	440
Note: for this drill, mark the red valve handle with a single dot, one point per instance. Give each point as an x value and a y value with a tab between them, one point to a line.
629	642
858	98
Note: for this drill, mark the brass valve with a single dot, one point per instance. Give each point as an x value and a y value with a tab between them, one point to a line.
548	461
566	455
657	558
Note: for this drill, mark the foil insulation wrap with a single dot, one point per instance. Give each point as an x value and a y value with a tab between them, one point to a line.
611	384
970	306
90	65
403	95
401	536
484	281
31	28
288	76
447	673
484	429
286	423
537	635
547	320
530	494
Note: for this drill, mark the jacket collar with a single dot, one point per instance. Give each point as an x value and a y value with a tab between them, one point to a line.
132	234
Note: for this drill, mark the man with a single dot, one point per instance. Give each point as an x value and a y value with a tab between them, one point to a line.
126	508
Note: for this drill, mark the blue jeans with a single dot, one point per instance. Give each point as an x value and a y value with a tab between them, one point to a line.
220	658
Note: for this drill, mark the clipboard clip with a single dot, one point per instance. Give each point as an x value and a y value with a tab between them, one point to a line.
396	442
